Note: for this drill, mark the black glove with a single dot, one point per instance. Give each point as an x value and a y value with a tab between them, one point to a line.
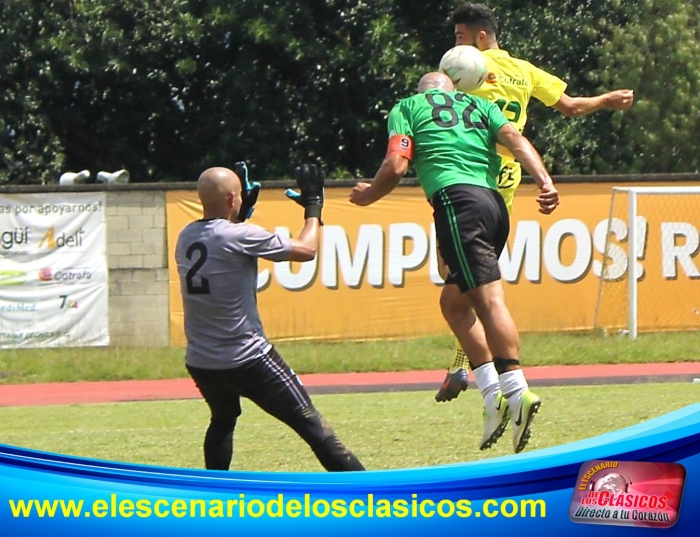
310	179
249	192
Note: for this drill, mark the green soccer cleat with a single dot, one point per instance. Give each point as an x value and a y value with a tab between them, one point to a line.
522	419
496	415
453	384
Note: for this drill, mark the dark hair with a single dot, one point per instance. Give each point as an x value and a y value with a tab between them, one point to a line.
476	16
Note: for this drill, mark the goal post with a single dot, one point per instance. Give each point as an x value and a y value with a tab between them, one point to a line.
650	277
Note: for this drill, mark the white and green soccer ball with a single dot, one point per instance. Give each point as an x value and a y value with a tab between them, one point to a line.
466	66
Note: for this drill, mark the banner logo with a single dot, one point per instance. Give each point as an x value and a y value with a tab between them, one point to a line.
14	237
47	274
50	240
18	307
67	304
12	277
626	493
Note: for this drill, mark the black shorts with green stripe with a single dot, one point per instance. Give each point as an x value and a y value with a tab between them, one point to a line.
472	226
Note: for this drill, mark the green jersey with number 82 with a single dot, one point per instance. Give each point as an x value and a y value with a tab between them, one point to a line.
453	136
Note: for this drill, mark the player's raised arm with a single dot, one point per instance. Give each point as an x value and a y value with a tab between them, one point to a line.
581	106
311	181
530	159
393	168
249	193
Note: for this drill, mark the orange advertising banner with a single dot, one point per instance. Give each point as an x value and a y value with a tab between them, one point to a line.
376	272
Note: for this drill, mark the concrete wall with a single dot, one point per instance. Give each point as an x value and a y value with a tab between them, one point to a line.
138	268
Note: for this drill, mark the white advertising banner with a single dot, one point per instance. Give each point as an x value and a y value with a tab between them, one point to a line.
53	270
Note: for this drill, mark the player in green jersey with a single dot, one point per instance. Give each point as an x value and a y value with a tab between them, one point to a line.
451	138
511	83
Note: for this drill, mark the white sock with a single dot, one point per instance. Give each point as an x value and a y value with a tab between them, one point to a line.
486	379
513	384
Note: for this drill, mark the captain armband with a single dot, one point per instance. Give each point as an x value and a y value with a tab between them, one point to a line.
400	144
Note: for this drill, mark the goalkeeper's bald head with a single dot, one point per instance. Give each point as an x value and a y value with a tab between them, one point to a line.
219	190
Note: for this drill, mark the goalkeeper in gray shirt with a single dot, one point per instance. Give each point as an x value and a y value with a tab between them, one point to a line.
228	354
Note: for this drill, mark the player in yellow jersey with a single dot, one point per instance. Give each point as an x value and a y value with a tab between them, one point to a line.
510	83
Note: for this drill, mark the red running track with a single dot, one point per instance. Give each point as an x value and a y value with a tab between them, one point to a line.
150	390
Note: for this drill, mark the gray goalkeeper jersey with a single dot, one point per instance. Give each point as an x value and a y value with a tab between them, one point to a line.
218	268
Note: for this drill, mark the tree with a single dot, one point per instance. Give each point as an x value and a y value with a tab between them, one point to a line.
30	151
561	38
658	54
166	88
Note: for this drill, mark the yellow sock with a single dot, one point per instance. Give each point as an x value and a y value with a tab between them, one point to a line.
460	360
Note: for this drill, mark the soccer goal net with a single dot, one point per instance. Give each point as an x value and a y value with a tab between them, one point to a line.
650	278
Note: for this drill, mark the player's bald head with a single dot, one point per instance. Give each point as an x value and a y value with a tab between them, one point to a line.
215	185
435	80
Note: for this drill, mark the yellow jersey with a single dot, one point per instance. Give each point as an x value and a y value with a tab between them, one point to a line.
511	83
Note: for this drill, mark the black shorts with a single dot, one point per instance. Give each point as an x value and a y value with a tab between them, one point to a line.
268	381
472	226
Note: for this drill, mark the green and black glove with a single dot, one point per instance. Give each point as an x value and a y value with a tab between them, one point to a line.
310	180
249	192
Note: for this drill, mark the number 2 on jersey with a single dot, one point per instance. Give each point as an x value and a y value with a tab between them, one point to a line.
203	287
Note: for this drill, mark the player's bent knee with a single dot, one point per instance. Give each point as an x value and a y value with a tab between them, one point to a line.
487	301
454	304
223	423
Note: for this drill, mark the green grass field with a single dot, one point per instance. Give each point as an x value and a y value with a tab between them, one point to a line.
75	364
386	430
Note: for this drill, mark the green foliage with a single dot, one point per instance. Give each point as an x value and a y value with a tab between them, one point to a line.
165	88
29	147
561	38
659	55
